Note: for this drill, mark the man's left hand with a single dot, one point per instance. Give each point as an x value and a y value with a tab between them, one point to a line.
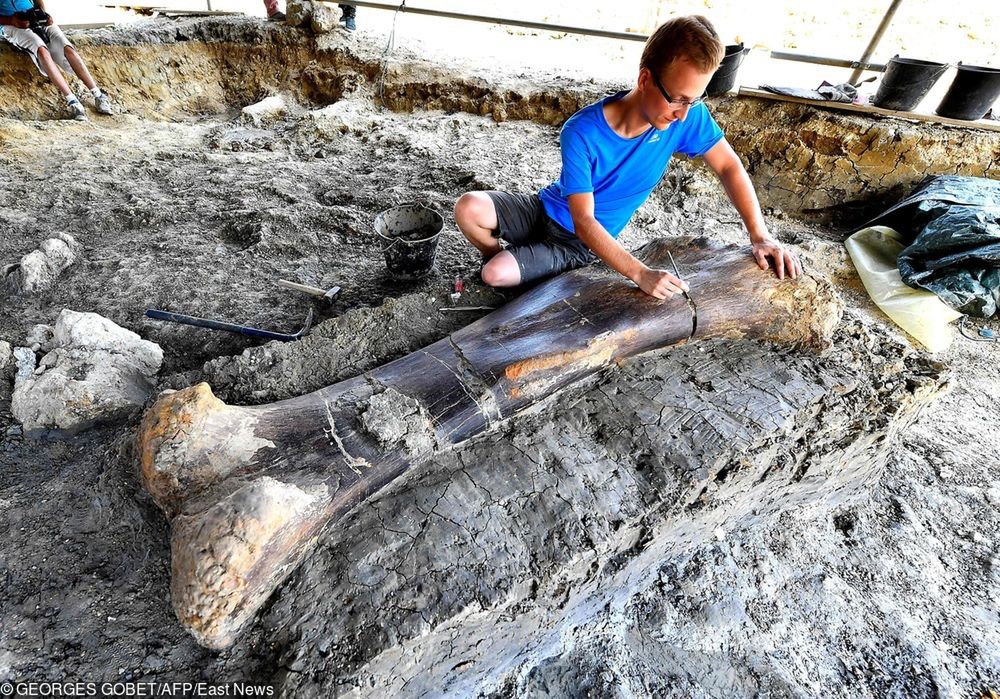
785	262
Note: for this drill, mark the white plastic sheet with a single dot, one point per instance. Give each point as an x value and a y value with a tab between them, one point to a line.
920	313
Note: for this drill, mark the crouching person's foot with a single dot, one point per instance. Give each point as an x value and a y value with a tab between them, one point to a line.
276	17
74	109
102	103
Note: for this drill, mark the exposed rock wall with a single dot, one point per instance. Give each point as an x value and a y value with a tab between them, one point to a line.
556	563
819	161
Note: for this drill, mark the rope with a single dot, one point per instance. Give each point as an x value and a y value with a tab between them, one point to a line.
970	334
384	64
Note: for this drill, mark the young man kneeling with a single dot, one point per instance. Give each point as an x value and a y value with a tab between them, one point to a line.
614	152
30	28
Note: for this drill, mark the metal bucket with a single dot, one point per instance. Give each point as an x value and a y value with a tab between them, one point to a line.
409	236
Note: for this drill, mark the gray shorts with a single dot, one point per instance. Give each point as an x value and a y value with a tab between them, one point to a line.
541	246
29	42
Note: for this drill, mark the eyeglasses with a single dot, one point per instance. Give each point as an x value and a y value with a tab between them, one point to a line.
676	104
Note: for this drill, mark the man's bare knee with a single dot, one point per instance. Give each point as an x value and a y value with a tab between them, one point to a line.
471	209
502	271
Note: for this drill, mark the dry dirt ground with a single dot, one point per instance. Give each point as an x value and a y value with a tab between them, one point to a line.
881	579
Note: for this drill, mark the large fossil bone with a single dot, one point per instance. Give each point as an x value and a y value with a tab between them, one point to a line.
249	489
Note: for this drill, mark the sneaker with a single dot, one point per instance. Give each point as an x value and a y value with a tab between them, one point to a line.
349	24
76	110
102	103
276	17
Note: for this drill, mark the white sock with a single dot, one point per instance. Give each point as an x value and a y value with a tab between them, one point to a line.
71	98
96	91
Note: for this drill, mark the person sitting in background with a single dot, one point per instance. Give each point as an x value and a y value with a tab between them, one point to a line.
27	26
273	13
349	12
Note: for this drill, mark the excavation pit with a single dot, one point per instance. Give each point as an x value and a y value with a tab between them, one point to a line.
719	515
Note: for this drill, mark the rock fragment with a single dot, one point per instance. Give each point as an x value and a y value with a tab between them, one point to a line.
40	335
324	19
24	363
6	355
6	369
95	372
266	111
395	419
298	13
38	270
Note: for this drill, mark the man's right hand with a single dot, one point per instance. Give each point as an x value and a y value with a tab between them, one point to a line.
660	284
20	23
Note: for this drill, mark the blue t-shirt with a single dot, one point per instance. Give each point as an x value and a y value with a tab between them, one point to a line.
621	172
9	7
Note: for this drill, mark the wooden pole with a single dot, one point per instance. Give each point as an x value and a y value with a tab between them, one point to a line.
879	33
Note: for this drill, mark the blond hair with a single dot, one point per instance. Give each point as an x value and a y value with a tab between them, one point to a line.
692	37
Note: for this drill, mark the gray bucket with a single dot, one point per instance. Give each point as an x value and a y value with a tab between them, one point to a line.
409	236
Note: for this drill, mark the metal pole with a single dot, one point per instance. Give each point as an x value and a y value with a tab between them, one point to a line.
823	61
883	25
626	36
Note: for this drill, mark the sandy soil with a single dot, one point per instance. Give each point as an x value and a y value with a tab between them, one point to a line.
887	589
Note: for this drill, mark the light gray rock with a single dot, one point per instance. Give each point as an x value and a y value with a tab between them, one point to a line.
6	370
298	13
343	117
40	335
24	363
6	355
96	372
324	19
266	111
95	332
38	270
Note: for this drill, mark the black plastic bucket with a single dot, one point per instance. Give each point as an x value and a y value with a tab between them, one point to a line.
409	236
972	93
725	76
905	82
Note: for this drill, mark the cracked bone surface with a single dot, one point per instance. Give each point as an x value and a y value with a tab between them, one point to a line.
249	489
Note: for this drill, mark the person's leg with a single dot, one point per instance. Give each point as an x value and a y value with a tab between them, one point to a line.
271	6
76	63
48	65
32	44
502	271
57	44
558	251
348	16
67	57
487	219
476	217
